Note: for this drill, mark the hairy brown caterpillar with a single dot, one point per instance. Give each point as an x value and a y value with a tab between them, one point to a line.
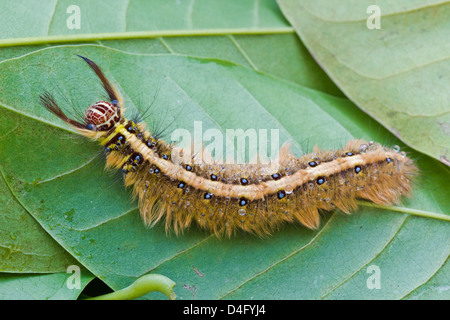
252	197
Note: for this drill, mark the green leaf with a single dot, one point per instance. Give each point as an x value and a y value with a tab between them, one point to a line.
398	74
114	244
59	179
436	287
35	251
250	33
24	245
50	19
55	286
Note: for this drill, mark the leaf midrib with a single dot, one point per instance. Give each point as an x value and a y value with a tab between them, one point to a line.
11	42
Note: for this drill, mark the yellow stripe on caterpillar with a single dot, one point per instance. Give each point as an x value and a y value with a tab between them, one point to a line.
119	129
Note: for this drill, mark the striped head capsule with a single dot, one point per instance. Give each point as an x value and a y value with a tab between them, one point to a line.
102	116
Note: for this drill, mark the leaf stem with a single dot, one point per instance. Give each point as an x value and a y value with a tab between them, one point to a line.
142	286
420	213
140	35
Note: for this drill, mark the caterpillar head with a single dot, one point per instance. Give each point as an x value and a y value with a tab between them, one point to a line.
102	116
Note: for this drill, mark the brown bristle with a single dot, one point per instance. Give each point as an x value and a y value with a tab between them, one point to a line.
215	197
